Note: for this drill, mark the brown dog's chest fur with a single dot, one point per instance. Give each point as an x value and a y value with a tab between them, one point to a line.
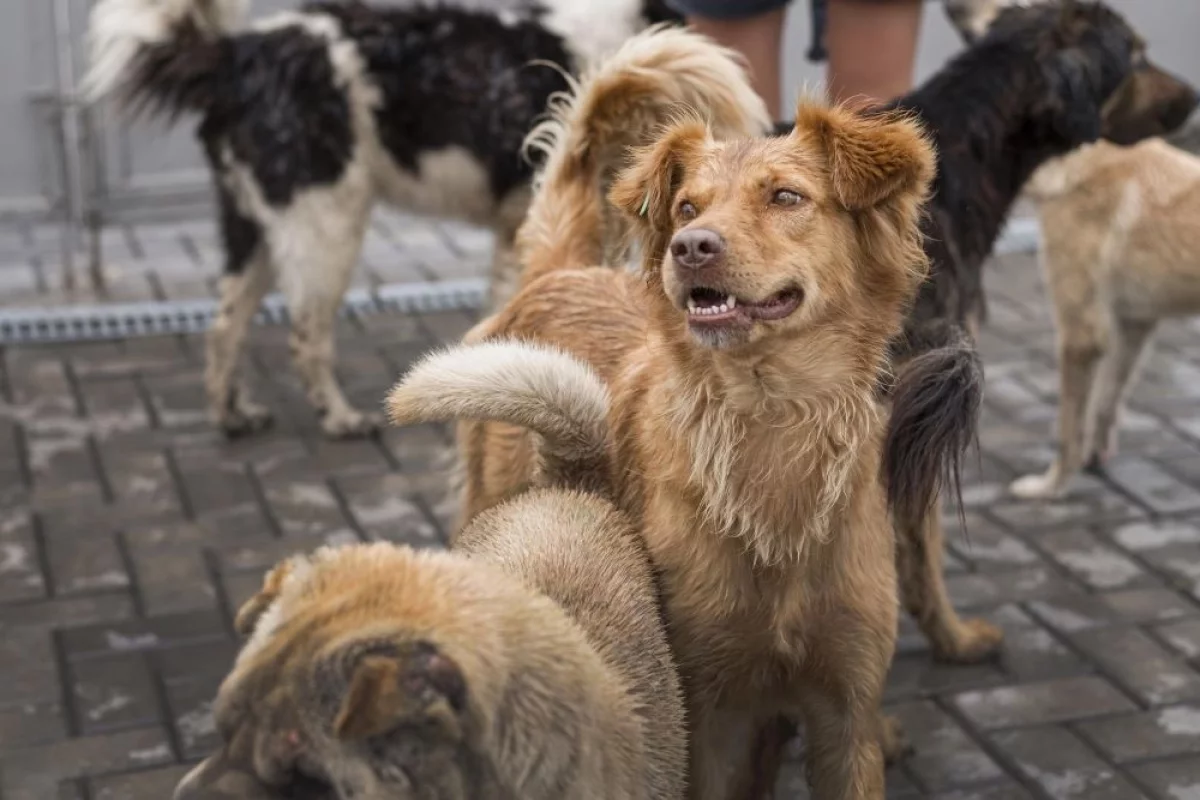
763	515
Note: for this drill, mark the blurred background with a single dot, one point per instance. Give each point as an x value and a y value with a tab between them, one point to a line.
57	163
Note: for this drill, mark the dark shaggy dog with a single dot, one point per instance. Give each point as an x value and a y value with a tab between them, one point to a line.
1042	81
309	117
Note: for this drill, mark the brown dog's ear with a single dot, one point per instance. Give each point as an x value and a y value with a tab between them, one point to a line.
644	190
418	684
250	612
871	156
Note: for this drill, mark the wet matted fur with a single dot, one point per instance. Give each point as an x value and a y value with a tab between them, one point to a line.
308	118
1120	251
531	663
746	441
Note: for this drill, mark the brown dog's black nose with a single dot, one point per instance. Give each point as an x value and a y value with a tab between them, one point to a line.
697	248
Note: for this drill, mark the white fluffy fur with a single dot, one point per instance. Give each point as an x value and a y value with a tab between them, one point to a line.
592	30
974	16
120	28
530	385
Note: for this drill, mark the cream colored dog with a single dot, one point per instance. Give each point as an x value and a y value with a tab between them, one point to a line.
1121	251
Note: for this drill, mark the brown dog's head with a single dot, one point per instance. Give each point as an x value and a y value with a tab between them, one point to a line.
1100	82
767	240
333	698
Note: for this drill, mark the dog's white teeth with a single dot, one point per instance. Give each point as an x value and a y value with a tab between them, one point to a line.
730	302
692	305
722	309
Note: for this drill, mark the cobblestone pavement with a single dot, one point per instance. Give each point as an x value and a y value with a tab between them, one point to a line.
175	260
129	531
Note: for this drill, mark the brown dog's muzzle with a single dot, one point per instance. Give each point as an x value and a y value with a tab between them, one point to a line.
1153	102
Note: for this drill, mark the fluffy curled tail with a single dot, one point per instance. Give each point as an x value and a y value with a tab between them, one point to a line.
530	385
656	76
160	54
935	409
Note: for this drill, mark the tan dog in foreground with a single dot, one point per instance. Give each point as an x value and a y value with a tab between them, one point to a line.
1121	251
530	664
746	438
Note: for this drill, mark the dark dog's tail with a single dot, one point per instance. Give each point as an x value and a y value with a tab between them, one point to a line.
935	409
530	385
158	55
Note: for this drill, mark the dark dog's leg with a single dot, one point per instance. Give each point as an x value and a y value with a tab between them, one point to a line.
923	590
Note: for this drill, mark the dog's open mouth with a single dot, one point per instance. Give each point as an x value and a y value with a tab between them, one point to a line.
707	306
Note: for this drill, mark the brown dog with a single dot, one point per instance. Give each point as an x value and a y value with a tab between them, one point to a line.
531	664
746	435
1120	245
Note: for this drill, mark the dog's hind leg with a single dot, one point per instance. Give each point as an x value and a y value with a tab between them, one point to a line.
315	249
919	552
1129	340
246	280
1082	346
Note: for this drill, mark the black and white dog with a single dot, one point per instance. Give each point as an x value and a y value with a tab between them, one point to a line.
309	117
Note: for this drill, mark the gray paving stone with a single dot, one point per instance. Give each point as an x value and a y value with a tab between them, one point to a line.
108	465
944	756
1041	703
1177	779
1063	766
1141	664
1164	732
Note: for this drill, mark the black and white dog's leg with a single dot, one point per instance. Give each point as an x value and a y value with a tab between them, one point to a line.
247	279
315	246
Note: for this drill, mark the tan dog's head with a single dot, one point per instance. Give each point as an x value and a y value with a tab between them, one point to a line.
774	239
343	689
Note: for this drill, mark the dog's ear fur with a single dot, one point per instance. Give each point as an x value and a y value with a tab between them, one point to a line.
872	156
644	191
385	689
252	610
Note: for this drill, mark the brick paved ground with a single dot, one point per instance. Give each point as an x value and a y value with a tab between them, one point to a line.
180	260
129	532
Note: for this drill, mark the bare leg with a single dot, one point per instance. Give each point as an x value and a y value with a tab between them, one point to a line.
760	40
872	48
229	404
1079	354
1125	353
923	590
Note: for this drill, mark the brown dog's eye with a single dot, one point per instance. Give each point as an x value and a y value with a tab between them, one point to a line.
687	210
786	197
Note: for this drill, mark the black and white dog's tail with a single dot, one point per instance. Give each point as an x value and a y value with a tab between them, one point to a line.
935	410
158	55
530	385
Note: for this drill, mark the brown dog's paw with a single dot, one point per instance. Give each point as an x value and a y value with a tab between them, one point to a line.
894	741
977	640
